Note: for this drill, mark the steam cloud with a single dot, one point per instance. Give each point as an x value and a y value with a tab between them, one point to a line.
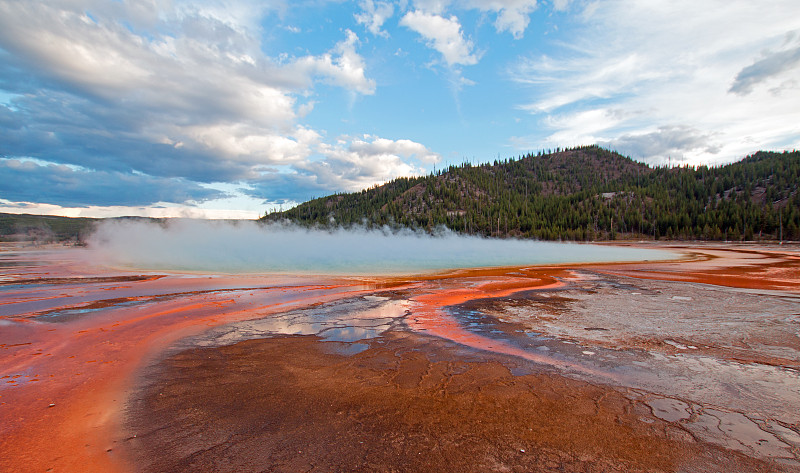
246	246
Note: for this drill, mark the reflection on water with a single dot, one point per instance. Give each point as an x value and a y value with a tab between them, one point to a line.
345	322
351	334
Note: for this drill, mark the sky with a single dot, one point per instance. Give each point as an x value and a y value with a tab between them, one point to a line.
229	109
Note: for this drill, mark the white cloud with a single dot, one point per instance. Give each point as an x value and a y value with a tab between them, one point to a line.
385	147
238	142
585	126
162	210
349	164
166	88
672	73
664	144
343	66
444	35
242	15
374	15
772	65
26	180
357	163
512	15
203	67
590	78
432	6
561	5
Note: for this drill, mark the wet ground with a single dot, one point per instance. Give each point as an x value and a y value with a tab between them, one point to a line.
685	366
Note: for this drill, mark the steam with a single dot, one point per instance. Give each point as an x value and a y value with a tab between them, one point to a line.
247	246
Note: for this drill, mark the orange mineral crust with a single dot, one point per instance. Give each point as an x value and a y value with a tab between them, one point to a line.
430	317
688	365
735	266
389	408
67	364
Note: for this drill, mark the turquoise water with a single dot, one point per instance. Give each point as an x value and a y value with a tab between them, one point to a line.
191	245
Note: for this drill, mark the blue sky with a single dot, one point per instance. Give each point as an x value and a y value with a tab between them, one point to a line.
229	108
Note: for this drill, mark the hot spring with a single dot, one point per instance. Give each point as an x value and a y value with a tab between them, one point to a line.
215	246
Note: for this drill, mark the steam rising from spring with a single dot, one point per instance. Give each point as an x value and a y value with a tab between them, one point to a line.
246	246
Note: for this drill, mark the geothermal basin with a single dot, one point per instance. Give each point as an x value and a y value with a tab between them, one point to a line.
689	361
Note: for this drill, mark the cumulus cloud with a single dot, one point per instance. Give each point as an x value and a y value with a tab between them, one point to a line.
361	162
343	66
167	90
248	144
512	16
350	164
100	56
385	147
373	15
444	35
204	68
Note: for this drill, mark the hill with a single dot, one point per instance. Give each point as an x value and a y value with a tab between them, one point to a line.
52	228
44	228
585	193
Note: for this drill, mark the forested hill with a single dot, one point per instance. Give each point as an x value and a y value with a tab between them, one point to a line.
585	193
44	228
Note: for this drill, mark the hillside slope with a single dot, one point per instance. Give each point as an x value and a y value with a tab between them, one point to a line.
41	229
44	228
585	193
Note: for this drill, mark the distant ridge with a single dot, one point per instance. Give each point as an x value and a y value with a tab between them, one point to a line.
44	228
583	193
50	228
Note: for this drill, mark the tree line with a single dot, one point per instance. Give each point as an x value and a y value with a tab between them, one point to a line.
582	194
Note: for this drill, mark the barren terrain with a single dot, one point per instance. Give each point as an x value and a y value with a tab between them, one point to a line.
692	365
